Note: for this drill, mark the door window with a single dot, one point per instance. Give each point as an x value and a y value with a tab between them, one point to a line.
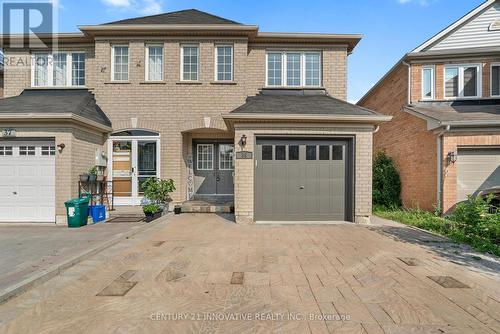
122	168
205	157
27	150
5	150
226	157
146	162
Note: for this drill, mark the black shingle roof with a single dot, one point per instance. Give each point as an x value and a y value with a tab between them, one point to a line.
79	102
188	16
461	111
300	102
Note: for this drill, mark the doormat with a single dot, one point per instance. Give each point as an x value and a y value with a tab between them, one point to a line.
126	220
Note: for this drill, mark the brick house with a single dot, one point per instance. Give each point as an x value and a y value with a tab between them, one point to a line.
445	101
228	112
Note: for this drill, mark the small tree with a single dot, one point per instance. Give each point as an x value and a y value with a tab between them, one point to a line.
158	190
386	181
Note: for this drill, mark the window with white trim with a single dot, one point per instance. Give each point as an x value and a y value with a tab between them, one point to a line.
224	62
189	62
462	81
120	65
226	156
154	63
5	150
27	150
495	80
293	69
205	156
60	69
428	82
48	150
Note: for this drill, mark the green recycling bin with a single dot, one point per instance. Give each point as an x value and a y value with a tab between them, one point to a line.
77	210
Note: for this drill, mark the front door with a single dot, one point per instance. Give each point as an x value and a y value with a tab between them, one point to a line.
133	161
213	168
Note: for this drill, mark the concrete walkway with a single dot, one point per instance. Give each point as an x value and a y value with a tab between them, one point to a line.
202	273
31	251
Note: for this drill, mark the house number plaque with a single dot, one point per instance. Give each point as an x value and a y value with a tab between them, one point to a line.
8	132
244	155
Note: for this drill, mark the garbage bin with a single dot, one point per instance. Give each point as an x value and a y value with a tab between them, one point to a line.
77	211
97	212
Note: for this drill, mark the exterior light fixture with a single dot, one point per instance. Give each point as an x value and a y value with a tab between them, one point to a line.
452	157
243	141
60	147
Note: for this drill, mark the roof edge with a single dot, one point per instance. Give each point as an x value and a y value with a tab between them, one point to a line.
58	116
376	118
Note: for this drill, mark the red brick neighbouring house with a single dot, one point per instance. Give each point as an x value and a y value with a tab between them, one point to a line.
444	97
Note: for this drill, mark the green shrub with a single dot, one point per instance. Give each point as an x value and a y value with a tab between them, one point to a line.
158	190
151	208
386	182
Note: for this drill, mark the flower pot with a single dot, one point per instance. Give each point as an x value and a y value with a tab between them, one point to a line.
92	178
177	210
152	216
84	178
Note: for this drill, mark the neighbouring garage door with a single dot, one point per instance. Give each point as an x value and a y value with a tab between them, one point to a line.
302	180
478	169
27	181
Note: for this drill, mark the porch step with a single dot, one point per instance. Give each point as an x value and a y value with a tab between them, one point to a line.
205	207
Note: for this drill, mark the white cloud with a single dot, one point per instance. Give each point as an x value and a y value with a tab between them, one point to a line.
420	2
146	7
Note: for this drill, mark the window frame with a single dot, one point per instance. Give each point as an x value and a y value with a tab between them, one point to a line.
113	62
461	68
433	82
198	157
146	62
182	63
221	162
216	62
50	68
496	64
303	71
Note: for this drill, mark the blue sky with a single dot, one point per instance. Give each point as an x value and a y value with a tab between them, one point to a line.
390	27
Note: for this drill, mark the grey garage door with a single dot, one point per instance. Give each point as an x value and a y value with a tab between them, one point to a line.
478	169
302	180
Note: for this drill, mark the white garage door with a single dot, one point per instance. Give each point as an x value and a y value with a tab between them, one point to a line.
478	169
27	181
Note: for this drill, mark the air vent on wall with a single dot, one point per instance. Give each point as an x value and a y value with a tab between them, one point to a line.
495	25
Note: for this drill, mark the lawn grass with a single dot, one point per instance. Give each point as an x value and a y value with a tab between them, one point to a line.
442	226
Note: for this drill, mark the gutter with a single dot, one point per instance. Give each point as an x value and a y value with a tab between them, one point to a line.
310	117
53	116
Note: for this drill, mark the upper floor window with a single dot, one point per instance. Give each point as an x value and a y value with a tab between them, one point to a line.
495	80
189	62
293	69
154	63
462	81
427	82
120	65
224	62
59	69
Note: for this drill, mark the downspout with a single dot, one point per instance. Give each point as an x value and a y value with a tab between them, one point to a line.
409	81
440	166
376	129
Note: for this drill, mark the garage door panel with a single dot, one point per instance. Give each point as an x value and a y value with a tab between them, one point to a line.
300	188
27	193
477	169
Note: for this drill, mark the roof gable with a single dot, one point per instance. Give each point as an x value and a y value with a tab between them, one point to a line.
475	30
188	16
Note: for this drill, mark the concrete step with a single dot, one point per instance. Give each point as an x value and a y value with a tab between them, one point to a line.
204	207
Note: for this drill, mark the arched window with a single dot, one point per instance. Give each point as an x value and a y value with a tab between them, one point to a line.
136	133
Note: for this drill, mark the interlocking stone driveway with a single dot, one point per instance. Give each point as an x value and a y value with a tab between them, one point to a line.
182	276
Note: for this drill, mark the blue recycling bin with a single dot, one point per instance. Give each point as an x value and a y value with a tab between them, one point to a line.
97	212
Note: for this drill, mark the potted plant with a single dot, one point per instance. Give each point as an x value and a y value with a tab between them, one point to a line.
93	174
84	177
177	209
158	191
152	212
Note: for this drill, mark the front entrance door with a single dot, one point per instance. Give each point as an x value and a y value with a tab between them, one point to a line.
133	161
213	167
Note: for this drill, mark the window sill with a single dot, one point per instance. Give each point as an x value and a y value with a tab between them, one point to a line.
152	83
117	83
189	83
294	87
233	83
58	87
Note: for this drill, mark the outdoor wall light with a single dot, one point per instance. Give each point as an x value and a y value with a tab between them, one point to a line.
243	141
452	157
60	147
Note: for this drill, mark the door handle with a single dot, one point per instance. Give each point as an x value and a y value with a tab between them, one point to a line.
14	192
